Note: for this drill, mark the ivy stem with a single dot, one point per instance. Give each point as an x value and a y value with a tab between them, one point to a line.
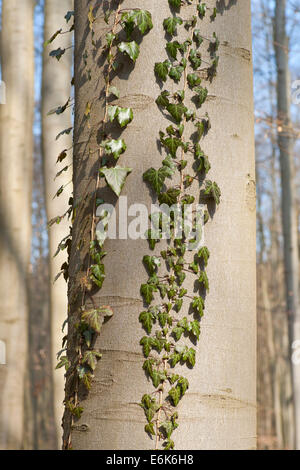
161	392
184	119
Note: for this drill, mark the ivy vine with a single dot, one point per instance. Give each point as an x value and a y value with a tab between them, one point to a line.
162	320
122	23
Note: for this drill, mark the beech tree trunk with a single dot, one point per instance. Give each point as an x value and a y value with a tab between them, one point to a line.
289	216
56	90
219	409
16	156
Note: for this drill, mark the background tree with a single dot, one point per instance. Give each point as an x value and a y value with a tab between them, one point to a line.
289	214
16	149
56	92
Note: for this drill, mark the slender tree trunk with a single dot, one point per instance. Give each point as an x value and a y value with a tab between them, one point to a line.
219	410
16	156
289	220
56	91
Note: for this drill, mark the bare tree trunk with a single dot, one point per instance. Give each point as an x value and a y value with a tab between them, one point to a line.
56	91
219	411
16	156
289	220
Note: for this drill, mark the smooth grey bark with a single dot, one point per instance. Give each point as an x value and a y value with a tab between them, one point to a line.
219	410
56	90
16	156
289	219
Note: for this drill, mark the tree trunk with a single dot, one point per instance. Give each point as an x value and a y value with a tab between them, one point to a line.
219	409
56	91
16	156
289	220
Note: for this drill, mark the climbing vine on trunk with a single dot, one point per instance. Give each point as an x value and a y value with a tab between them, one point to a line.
164	293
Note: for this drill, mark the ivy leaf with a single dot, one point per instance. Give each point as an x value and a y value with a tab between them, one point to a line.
176	72
147	292
57	53
172	144
177	332
162	99
63	362
152	263
98	274
170	24
203	279
115	147
175	3
146	342
155	178
204	254
116	177
189	356
149	428
193	79
170	197
146	318
125	116
161	69
175	395
184	384
130	48
201	10
114	91
112	112
177	111
85	375
148	365
201	94
198	305
156	378
172	48
95	317
195	328
175	357
213	190
91	358
143	21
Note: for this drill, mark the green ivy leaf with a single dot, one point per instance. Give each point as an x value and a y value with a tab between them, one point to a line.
204	254
146	318
95	317
155	178
91	358
115	177
152	263
143	20
169	197
147	292
146	342
189	356
161	69
171	23
130	48
177	111
213	190
172	48
193	79
175	395
198	305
